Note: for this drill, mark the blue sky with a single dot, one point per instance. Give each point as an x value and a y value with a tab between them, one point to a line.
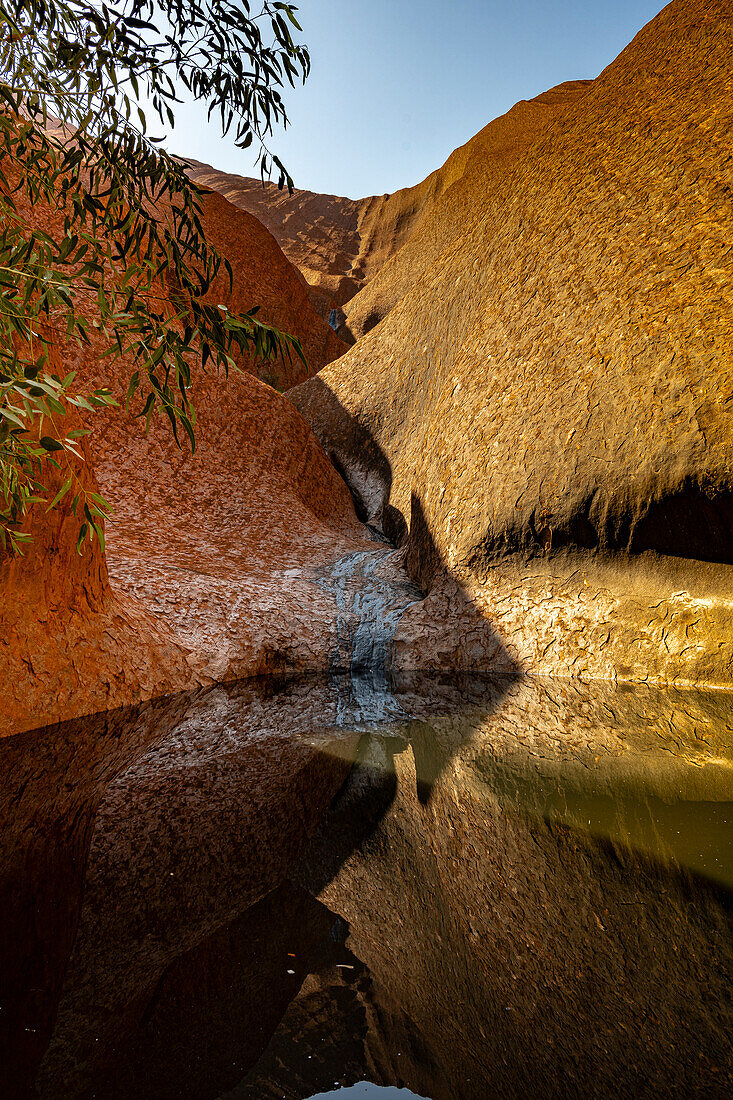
398	84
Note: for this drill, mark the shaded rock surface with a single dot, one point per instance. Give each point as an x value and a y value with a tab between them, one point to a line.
71	641
264	276
548	407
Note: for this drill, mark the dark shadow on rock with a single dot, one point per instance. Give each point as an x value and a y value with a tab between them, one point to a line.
688	524
674	521
357	457
455	633
667	515
386	520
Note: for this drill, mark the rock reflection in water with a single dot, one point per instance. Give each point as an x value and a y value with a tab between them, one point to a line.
51	784
175	819
521	888
533	895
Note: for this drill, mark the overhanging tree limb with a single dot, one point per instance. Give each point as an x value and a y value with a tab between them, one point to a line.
73	135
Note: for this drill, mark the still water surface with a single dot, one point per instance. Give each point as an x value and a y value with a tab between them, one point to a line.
463	887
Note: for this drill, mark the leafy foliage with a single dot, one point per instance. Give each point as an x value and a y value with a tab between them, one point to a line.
131	270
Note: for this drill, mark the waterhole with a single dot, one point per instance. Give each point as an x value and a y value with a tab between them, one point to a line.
443	887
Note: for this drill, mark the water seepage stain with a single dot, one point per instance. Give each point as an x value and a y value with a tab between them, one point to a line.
372	593
470	887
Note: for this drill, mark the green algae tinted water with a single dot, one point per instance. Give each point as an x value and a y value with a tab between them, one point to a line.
451	886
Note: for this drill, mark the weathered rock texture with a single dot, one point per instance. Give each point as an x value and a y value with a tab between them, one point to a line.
70	641
211	559
340	245
318	233
443	208
546	403
549	406
264	276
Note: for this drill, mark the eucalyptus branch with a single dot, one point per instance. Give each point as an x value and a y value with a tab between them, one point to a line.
132	219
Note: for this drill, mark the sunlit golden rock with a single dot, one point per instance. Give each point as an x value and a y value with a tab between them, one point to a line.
549	405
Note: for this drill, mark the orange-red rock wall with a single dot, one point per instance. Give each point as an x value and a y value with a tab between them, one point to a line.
190	537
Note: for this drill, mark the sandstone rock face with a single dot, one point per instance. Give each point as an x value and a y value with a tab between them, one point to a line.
318	233
441	209
264	276
340	245
69	639
212	559
549	406
226	544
